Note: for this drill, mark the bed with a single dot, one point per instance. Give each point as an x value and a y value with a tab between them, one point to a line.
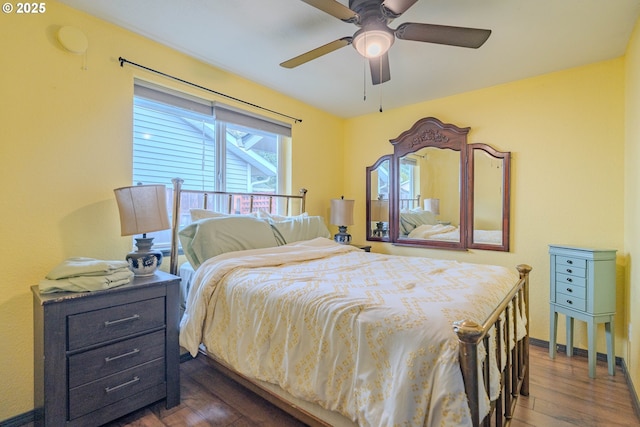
417	223
339	337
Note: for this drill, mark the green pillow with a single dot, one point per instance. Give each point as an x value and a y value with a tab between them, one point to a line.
209	237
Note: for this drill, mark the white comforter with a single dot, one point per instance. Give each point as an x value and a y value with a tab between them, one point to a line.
367	335
450	233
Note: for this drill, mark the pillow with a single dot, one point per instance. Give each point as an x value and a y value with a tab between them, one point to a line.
302	227
414	218
209	237
268	215
198	214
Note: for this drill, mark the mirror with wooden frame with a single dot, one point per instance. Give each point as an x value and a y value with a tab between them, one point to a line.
489	197
438	191
378	192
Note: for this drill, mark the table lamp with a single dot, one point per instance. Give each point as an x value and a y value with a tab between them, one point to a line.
432	205
143	209
380	214
342	216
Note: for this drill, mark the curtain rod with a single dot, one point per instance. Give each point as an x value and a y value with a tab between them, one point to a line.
123	61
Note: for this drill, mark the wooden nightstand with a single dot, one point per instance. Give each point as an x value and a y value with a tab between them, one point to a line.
100	355
583	286
366	248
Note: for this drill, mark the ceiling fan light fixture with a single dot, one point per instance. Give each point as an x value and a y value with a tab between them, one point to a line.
373	43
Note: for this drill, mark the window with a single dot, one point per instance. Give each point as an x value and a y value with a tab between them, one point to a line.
409	172
209	146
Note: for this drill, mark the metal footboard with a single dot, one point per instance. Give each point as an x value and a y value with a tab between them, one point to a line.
514	377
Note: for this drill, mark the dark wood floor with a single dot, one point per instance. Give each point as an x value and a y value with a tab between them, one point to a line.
561	395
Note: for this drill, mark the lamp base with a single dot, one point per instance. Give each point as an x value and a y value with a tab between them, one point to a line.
342	236
379	231
144	261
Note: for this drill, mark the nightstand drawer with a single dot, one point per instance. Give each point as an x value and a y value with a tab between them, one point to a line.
89	397
564	279
99	326
571	302
562	290
101	362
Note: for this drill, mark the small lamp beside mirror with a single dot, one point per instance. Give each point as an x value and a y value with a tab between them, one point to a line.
143	209
432	205
380	215
342	216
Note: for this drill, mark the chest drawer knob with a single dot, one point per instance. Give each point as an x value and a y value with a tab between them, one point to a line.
108	323
569	270
569	261
569	290
120	356
569	301
569	279
119	386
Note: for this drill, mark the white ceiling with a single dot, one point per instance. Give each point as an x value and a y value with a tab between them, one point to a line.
250	38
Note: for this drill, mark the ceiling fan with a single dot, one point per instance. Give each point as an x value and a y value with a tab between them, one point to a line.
374	38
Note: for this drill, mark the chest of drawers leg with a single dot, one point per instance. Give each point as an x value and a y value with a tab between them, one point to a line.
101	355
583	287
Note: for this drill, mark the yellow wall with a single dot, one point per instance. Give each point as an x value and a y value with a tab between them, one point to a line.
65	144
566	134
632	207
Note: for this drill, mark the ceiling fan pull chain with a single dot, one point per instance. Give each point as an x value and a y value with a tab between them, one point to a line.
364	78
380	87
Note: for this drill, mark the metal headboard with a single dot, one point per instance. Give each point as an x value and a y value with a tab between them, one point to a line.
230	197
410	203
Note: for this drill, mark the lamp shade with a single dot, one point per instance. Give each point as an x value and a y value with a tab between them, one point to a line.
342	211
143	209
432	205
380	210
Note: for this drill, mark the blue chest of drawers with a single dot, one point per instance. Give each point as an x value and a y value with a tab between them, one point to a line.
583	287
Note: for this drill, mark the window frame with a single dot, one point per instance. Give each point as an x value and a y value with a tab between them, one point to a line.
221	116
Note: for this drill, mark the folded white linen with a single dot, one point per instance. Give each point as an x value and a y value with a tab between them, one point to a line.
82	266
86	274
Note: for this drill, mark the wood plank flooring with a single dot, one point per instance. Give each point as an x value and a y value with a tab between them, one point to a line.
561	395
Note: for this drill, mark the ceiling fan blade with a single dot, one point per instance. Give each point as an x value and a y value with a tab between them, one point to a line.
334	8
380	69
443	34
317	52
395	8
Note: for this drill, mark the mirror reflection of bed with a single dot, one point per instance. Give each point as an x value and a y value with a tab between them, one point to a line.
323	330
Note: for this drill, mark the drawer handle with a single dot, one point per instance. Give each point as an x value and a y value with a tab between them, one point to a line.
118	387
569	301
569	261
116	322
129	353
569	279
569	290
569	270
